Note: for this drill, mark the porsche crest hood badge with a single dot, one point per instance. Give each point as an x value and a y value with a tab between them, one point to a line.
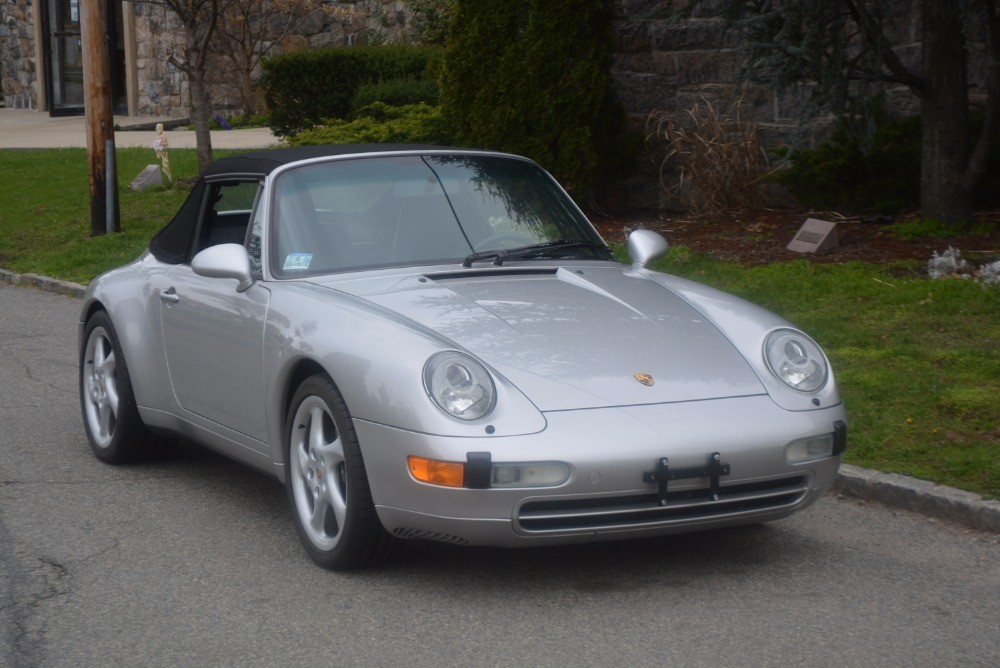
644	378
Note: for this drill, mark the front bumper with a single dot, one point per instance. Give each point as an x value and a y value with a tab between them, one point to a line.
611	453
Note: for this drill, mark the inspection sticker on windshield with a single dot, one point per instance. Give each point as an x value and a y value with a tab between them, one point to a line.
298	261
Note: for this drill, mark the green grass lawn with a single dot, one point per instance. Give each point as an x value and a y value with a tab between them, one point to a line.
918	361
45	211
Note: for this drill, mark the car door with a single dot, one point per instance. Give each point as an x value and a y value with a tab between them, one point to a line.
214	335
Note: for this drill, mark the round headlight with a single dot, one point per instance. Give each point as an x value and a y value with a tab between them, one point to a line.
795	360
459	385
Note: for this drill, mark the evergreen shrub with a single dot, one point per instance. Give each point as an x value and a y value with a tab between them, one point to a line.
396	93
304	87
533	77
379	123
841	175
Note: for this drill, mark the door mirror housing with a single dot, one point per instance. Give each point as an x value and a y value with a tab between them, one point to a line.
224	261
645	246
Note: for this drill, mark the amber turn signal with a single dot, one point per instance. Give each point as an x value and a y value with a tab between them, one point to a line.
448	474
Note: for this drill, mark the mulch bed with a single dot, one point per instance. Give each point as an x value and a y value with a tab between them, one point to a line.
761	237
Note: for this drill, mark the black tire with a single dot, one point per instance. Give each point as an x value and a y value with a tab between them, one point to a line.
328	489
110	417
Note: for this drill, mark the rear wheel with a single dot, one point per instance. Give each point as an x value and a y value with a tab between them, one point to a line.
110	417
327	484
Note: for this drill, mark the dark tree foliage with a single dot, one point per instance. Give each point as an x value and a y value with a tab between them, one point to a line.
532	77
849	50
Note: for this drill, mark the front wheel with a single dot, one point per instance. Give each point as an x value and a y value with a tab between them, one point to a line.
327	487
110	416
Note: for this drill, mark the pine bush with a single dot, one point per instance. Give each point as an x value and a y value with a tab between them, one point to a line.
532	77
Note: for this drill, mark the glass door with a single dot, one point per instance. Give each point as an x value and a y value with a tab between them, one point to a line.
65	57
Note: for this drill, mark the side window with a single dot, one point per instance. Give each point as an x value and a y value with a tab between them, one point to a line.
227	214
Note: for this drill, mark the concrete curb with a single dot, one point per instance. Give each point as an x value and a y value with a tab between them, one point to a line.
43	282
890	489
927	498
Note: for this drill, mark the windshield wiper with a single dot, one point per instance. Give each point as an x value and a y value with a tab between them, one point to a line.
537	251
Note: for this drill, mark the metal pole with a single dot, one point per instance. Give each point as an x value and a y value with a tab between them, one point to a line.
110	183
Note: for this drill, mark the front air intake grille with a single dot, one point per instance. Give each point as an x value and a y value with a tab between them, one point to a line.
645	510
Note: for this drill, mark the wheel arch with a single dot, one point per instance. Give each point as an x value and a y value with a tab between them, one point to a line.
90	309
298	372
86	313
302	369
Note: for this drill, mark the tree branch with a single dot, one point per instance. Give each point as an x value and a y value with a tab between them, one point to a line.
874	35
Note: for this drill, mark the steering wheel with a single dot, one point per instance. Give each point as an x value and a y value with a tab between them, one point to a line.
503	241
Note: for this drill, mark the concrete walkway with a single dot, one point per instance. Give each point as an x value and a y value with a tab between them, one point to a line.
20	128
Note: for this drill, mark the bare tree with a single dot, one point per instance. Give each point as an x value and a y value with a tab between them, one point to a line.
200	18
250	30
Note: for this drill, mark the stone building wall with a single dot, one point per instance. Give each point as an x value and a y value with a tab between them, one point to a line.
18	79
666	64
162	88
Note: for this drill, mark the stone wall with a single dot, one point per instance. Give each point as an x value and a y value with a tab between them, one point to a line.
18	79
667	64
162	88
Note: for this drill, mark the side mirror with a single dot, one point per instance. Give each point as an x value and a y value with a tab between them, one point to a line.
645	246
224	261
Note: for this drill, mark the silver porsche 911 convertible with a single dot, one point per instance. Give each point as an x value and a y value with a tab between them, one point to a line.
428	343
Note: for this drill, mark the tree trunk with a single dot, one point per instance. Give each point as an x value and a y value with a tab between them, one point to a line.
201	114
945	115
201	109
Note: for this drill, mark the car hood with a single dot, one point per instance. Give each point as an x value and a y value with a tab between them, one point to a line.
572	338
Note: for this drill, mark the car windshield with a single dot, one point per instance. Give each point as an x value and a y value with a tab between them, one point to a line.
411	210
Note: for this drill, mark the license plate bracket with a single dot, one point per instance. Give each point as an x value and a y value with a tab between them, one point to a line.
662	474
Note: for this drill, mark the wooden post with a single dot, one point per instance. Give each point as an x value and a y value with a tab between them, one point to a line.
100	117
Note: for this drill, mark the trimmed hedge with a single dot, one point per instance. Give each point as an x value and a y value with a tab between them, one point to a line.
304	87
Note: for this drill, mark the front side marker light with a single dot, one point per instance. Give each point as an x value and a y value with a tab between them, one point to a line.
809	449
446	474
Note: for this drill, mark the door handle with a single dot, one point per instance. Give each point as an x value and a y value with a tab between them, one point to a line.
169	296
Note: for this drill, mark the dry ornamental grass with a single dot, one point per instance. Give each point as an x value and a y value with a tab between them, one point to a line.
718	156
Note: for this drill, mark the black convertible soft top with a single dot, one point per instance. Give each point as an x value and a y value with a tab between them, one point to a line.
266	161
174	243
